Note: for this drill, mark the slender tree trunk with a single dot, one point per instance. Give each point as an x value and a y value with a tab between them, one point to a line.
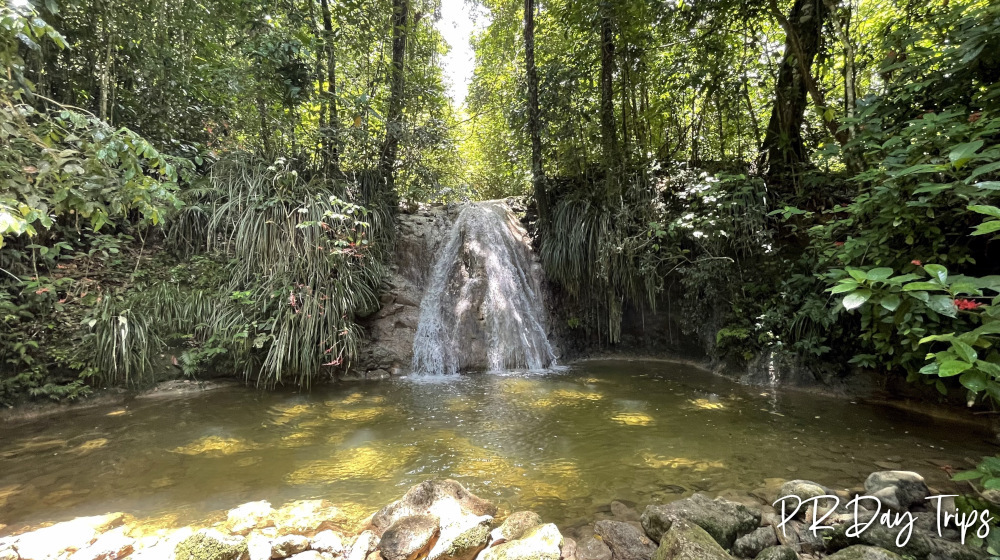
783	146
609	135
331	141
397	83
534	117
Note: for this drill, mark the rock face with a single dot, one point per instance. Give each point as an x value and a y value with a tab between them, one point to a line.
543	542
625	541
409	538
447	500
515	525
725	521
897	490
687	541
750	545
462	539
778	553
861	552
591	548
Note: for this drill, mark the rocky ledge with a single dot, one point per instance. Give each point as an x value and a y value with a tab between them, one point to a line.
441	520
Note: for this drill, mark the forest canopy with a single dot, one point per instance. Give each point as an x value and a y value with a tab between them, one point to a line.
812	182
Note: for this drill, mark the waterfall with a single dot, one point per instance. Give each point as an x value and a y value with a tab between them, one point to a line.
482	309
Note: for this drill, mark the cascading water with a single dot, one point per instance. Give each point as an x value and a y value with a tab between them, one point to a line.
482	309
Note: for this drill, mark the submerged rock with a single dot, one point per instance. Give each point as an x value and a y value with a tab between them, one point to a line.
592	548
725	521
897	490
625	541
687	541
288	545
448	500
209	544
751	544
861	552
410	538
307	517
543	542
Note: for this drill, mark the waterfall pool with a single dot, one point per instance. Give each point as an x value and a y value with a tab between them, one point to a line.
562	444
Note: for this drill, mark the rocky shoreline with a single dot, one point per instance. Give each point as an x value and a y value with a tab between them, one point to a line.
441	520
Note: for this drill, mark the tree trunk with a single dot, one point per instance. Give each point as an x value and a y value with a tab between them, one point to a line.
609	136
534	117
783	146
397	83
331	136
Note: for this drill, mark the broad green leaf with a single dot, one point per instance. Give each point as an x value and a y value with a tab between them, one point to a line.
878	274
890	302
987	228
992	211
916	286
964	351
856	298
937	271
943	305
967	475
845	286
953	367
858	275
921	168
974	381
962	153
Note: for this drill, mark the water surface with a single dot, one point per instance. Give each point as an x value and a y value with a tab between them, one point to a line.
561	444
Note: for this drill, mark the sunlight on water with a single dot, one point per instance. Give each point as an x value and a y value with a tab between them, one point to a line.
560	444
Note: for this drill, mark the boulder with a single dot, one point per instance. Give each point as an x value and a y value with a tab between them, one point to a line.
8	554
462	539
209	544
110	546
328	542
778	553
309	555
568	551
861	552
685	540
366	543
514	526
247	517
897	490
803	489
410	538
922	545
543	542
258	547
592	548
751	544
445	499
288	545
623	511
68	536
625	541
725	521
308	517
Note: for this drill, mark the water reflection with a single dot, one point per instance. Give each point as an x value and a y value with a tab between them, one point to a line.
560	444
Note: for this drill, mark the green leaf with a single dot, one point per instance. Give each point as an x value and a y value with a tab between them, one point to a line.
943	305
922	168
941	387
937	271
858	275
878	274
974	381
964	351
962	153
992	484
953	367
967	475
844	286
890	302
919	286
987	228
856	298
991	211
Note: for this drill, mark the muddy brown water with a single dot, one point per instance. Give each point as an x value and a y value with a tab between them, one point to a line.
563	444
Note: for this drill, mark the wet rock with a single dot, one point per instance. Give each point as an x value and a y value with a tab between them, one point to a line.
592	548
568	550
543	542
514	526
625	541
897	490
725	521
288	545
8	554
247	517
68	536
162	547
309	555
209	544
623	511
307	517
448	500
410	538
802	489
750	545
329	542
463	539
861	552
778	553
687	541
109	546
922	545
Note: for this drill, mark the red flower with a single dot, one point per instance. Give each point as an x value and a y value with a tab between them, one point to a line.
838	244
966	304
916	262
